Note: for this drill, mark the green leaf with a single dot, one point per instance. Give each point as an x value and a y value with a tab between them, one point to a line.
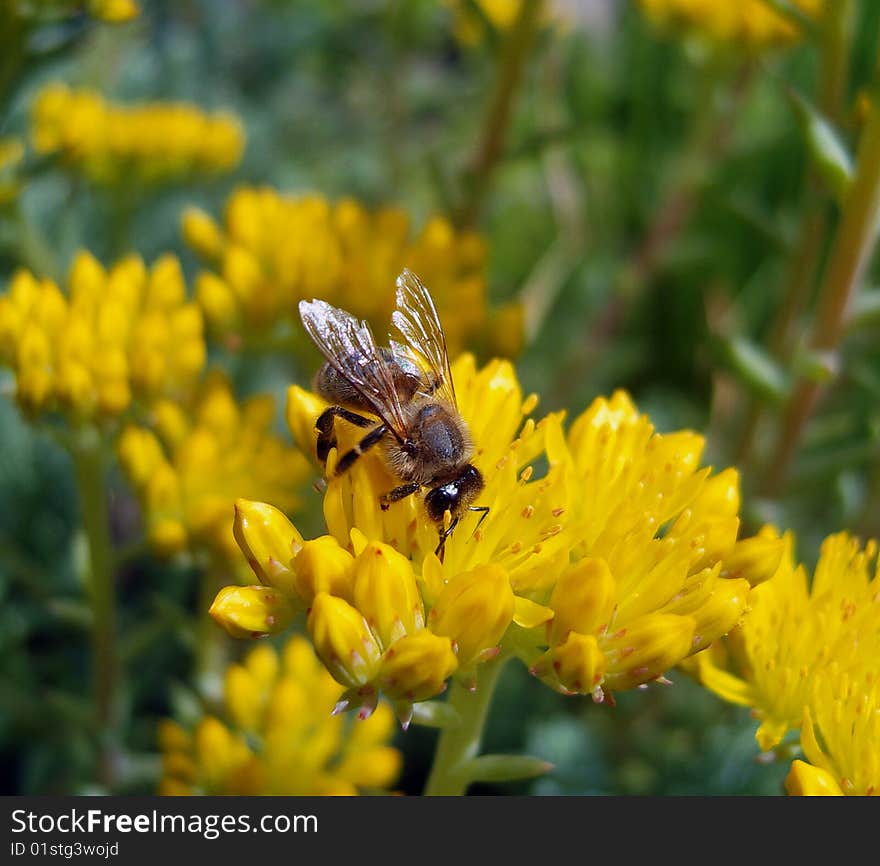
816	366
756	368
830	154
865	309
504	768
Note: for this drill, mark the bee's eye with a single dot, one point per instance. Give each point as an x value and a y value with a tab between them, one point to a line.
440	500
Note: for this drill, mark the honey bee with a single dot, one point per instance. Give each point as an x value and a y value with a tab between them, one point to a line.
407	391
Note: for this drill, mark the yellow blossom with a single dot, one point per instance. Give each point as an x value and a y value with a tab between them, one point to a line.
797	634
752	25
276	736
189	468
841	731
274	250
115	336
114	11
149	143
601	572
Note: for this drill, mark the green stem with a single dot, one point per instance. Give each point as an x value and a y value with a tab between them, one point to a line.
514	54
849	257
459	743
836	30
212	651
88	460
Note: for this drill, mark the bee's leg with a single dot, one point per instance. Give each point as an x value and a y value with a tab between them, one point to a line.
325	427
483	516
444	534
372	438
397	494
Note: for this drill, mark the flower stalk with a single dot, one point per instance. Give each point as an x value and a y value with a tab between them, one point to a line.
513	57
88	458
458	744
849	257
835	31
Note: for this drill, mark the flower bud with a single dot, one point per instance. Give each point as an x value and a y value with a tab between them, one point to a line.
474	609
417	666
321	565
805	780
645	649
577	664
385	592
343	640
268	541
252	611
202	233
583	600
757	558
716	606
303	409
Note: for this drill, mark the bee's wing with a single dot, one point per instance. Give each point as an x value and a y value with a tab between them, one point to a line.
417	320
349	346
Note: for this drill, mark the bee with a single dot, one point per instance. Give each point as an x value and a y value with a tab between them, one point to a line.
405	395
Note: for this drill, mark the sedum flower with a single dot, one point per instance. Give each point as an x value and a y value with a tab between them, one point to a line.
791	650
190	464
275	735
114	337
599	574
148	143
752	25
274	250
840	737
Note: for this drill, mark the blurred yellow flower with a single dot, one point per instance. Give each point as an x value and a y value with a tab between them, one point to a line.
120	144
600	574
749	24
796	644
117	335
273	250
276	735
114	11
192	463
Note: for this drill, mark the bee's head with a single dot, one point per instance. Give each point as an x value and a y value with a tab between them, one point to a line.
454	496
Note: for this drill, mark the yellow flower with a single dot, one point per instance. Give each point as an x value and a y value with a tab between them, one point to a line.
841	730
120	144
274	250
114	11
600	574
752	25
189	467
117	335
276	735
796	636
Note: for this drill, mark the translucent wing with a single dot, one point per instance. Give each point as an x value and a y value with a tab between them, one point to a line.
349	345
417	320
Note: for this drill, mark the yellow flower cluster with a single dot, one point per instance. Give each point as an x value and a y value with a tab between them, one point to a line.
117	335
278	737
750	24
275	250
807	655
120	144
601	574
197	459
